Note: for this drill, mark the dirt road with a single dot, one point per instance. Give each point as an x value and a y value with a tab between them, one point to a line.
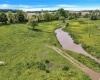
93	75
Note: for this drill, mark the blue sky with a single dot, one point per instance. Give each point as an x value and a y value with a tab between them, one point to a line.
33	5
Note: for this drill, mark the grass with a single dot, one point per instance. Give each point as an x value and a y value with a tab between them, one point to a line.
25	54
92	64
85	32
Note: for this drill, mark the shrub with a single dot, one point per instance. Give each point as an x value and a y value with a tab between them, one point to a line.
47	61
41	66
47	71
29	64
63	21
67	24
65	68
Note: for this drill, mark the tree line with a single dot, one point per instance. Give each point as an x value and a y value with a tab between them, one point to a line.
93	15
21	16
60	15
10	17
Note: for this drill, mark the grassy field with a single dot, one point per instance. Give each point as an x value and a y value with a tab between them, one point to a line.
27	58
85	32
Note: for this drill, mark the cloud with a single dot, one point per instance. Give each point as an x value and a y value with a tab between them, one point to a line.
4	5
66	6
46	7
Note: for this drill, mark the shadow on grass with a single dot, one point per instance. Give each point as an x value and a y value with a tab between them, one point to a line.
39	30
2	24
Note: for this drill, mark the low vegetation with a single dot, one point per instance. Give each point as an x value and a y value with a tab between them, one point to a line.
23	50
26	57
85	34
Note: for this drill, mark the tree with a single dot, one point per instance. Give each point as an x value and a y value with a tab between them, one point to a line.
94	15
73	16
20	15
86	15
10	17
3	17
57	15
40	17
33	22
61	18
46	16
16	18
62	12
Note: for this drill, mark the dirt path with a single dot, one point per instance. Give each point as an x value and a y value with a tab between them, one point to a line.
93	75
68	44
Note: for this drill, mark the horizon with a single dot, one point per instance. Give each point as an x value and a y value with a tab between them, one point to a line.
34	5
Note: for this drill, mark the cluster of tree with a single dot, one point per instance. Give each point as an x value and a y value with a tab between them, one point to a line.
93	15
73	16
21	16
46	16
10	17
60	14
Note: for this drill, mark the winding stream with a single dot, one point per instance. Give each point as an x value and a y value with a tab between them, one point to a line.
68	44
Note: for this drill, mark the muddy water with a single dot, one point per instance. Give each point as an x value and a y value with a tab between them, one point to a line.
68	44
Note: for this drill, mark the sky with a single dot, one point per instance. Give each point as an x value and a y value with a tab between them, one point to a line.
35	5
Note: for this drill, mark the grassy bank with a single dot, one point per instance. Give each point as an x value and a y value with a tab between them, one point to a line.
92	64
87	34
84	32
27	58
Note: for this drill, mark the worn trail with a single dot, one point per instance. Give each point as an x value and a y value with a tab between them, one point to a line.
93	75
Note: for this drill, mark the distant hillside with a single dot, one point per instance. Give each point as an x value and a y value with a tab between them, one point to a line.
6	10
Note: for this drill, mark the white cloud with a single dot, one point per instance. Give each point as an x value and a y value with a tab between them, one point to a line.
46	7
4	5
64	5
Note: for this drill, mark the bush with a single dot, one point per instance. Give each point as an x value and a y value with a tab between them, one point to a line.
63	21
3	17
67	24
29	64
65	68
41	66
47	61
47	71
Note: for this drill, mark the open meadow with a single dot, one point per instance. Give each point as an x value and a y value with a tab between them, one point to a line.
27	58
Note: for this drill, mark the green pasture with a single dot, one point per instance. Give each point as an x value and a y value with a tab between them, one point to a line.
27	58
